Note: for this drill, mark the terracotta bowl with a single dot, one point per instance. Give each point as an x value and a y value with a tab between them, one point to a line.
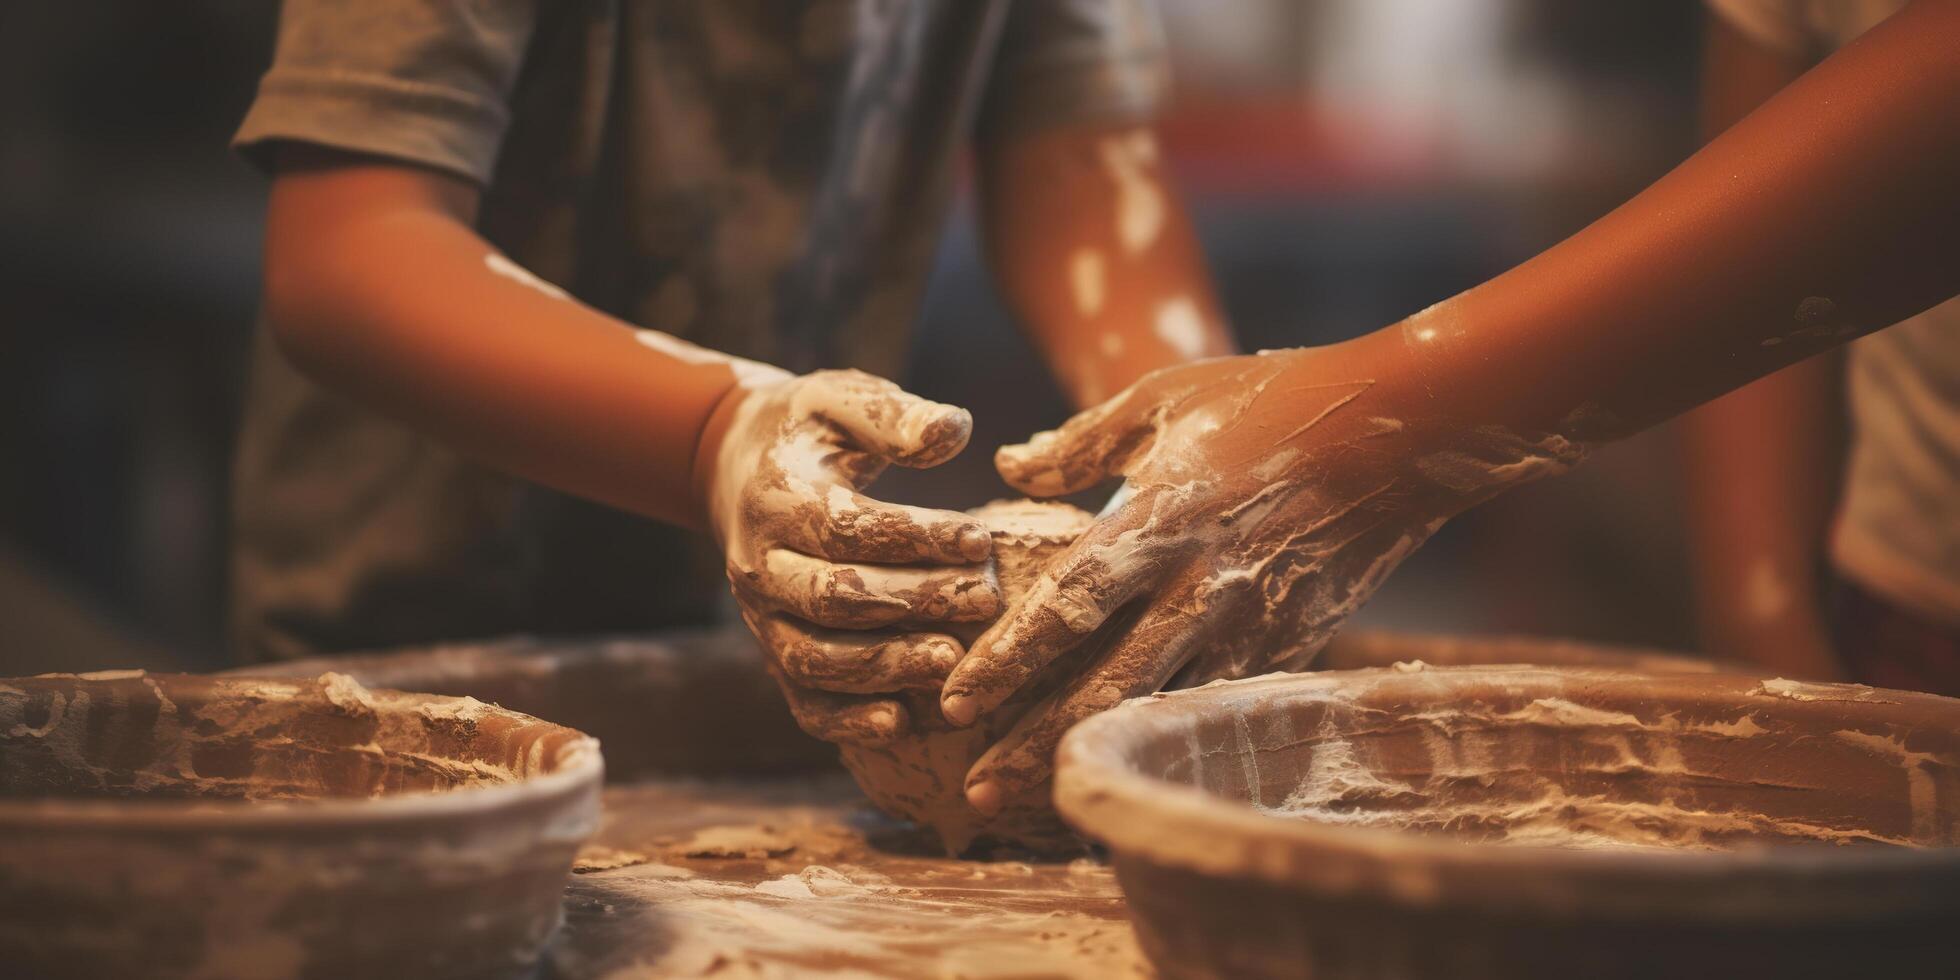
180	826
694	702
1358	649
1528	822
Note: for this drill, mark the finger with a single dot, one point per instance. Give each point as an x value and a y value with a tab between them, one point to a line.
1138	664
846	718
1104	569
856	469
886	420
1086	450
844	525
854	596
856	662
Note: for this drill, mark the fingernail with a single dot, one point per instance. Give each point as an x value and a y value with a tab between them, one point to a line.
984	797
976	544
883	720
958	709
945	657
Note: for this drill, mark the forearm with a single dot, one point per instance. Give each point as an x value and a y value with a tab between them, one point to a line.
1830	212
1094	254
1762	462
396	302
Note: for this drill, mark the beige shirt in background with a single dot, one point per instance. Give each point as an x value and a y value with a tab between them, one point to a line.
1898	527
768	179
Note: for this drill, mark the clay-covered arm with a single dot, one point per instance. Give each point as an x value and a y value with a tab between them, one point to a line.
378	286
1762	462
1273	494
1093	251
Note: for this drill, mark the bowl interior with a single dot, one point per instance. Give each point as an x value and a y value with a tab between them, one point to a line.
127	734
1574	758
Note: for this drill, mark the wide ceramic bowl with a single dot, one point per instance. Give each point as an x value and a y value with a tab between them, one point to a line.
1360	649
694	702
1528	822
181	826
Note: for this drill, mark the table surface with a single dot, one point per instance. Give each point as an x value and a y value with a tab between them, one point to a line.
835	890
800	877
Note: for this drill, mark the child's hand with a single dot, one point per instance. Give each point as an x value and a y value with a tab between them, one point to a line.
1271	496
842	589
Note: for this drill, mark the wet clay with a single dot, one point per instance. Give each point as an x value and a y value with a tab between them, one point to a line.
922	775
177	826
1515	822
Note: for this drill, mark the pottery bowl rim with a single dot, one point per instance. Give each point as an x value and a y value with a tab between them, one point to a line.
578	767
1180	826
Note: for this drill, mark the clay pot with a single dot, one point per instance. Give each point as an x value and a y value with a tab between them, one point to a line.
177	826
922	776
1528	822
686	702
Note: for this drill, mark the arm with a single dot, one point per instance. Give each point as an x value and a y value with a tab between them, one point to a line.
1272	494
1824	215
1762	462
1095	255
377	285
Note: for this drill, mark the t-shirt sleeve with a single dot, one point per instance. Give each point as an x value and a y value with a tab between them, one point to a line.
1063	61
424	81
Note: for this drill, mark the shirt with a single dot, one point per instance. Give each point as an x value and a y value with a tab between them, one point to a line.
766	178
1897	531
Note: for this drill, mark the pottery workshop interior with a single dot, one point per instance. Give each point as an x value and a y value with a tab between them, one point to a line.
615	489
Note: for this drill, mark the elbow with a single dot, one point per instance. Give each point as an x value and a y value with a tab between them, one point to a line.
295	308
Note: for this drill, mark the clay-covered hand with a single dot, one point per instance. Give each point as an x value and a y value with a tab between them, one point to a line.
849	595
1269	497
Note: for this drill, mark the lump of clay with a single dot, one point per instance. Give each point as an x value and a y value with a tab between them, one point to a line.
922	777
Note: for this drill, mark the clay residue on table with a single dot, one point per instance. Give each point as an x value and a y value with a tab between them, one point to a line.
823	886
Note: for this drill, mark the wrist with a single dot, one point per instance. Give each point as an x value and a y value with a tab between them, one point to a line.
1446	451
705	468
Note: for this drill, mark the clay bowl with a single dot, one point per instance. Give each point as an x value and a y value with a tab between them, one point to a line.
693	702
1357	649
180	826
1528	822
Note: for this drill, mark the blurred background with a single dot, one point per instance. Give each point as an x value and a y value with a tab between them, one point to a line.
1349	162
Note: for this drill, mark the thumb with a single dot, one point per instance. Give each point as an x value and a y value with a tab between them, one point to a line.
1086	450
885	420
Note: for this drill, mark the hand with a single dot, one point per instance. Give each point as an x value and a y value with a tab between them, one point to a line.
843	590
1271	495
